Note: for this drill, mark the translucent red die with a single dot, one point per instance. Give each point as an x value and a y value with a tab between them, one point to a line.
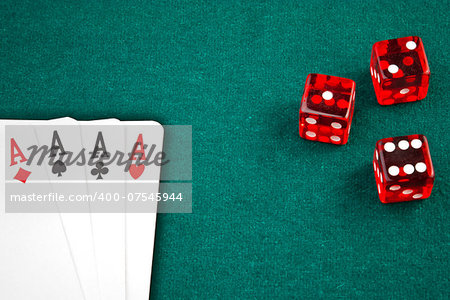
400	71
403	168
326	109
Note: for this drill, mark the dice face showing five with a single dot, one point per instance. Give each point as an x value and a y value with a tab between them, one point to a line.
326	109
403	168
400	71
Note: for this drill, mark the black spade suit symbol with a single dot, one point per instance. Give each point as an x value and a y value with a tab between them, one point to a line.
58	168
99	170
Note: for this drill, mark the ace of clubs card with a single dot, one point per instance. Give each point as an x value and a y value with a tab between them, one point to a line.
101	140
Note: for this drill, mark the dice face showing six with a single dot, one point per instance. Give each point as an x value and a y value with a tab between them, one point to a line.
326	109
403	168
400	71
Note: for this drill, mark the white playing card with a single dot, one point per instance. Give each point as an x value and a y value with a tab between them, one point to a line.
75	215
108	228
35	259
140	227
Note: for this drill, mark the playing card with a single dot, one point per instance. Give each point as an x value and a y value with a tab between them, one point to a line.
35	259
101	140
66	172
144	141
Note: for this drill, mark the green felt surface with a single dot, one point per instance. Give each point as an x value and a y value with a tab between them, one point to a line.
273	215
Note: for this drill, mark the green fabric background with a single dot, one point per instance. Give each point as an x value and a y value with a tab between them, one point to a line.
273	215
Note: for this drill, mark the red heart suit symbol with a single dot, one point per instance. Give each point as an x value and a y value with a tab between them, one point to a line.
136	171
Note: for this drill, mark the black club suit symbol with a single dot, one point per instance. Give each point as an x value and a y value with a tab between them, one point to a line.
99	170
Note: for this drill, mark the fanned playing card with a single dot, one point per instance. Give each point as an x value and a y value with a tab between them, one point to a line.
35	259
66	168
101	140
144	141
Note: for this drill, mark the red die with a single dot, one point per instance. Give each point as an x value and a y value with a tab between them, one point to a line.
399	70
403	168
327	108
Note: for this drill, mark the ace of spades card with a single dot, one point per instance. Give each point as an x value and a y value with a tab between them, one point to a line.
65	166
144	142
35	258
102	140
